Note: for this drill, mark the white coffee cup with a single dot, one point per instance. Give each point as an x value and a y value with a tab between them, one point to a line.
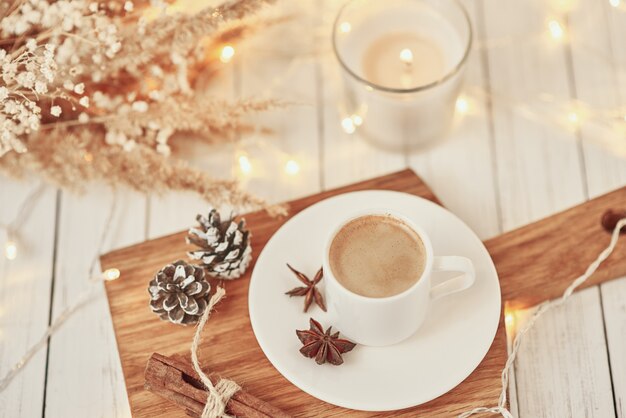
389	320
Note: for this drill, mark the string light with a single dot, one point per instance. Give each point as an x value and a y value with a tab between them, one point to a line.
573	118
509	319
12	228
357	120
88	157
244	164
462	105
345	27
348	125
111	274
556	29
228	52
614	3
10	250
292	167
530	321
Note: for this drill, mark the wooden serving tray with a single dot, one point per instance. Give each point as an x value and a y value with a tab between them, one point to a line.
534	263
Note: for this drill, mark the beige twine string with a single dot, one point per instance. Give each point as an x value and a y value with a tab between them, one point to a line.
540	310
219	394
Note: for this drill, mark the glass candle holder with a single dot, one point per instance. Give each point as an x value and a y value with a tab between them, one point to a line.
403	63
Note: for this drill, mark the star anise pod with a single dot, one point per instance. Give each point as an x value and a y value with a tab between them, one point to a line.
309	291
324	346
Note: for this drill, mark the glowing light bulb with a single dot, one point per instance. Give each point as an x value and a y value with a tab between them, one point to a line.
357	120
292	167
111	274
509	319
348	125
345	27
556	29
614	3
462	105
406	56
10	250
228	52
88	157
245	165
573	117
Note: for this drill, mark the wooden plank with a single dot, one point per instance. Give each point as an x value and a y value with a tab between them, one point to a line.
461	168
562	367
346	157
538	164
277	65
540	188
613	296
616	22
84	366
25	285
597	33
562	245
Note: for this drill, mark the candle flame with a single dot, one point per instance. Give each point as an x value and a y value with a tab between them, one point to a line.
406	56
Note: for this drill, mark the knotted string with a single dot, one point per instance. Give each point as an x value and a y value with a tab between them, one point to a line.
219	394
539	311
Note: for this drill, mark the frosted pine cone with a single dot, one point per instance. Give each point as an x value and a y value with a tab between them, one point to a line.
225	249
179	293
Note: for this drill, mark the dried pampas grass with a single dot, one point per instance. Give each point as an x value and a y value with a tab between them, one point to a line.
96	97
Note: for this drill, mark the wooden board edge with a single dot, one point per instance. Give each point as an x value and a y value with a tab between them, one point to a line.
107	259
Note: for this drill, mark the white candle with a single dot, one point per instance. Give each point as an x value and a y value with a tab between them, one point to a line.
403	62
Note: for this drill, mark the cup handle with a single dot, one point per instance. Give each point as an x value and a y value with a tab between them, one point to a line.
454	284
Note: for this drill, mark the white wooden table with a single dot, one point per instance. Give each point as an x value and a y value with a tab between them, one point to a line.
501	168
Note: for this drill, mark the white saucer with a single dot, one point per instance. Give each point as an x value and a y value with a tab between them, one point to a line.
445	350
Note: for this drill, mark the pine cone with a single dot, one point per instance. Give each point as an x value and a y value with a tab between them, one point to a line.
225	249
179	293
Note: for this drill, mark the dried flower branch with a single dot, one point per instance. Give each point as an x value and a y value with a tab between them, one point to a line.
142	169
93	91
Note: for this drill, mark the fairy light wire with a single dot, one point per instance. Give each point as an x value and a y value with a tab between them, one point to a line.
68	312
537	313
24	211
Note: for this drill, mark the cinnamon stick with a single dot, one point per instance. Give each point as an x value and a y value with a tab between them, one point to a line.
175	379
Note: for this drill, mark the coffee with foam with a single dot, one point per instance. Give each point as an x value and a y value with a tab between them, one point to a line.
377	256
